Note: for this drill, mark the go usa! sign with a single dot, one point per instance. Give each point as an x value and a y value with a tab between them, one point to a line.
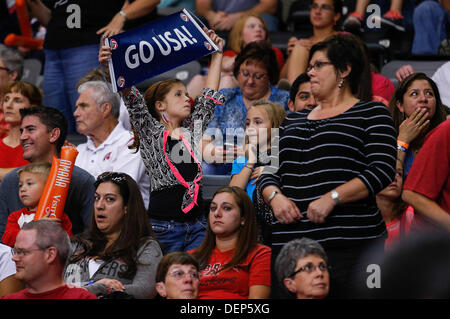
157	47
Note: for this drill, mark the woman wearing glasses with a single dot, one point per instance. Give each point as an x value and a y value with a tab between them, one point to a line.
178	276
333	160
119	251
302	268
234	265
256	70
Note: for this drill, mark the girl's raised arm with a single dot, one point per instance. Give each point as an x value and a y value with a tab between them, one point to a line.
213	78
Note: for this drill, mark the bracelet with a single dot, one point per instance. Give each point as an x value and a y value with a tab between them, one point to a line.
401	143
123	14
401	148
251	167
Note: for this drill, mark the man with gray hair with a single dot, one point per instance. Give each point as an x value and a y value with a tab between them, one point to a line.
106	150
11	64
40	253
11	68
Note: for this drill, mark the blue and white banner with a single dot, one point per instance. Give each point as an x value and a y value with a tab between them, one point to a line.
157	47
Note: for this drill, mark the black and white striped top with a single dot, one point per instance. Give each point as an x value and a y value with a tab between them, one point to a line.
316	156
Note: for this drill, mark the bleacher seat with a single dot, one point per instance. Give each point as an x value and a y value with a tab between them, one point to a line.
426	66
211	183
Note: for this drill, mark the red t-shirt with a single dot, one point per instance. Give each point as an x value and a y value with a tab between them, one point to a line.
429	174
11	156
234	283
18	218
63	292
398	227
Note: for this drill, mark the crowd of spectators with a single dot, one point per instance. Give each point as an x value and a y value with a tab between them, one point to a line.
332	167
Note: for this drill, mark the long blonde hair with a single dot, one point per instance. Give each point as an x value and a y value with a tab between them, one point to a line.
236	42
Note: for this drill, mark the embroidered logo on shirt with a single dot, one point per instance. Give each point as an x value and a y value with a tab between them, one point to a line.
107	156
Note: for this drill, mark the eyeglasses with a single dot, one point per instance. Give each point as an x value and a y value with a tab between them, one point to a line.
310	268
255	76
326	7
317	66
23	252
110	176
179	274
3	68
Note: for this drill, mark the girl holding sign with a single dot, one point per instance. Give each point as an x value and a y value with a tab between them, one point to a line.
168	131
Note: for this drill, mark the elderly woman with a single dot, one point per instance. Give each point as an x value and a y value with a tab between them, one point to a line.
333	160
302	268
417	109
171	279
119	251
256	70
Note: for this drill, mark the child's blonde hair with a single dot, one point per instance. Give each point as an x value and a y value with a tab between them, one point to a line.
275	111
42	168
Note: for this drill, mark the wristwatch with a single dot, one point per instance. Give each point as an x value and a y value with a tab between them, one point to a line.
272	196
335	196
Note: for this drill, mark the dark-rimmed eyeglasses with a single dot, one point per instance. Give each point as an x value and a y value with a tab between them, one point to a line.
6	69
179	274
254	76
318	65
310	268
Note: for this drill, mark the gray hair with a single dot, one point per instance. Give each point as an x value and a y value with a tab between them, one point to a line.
50	234
103	94
294	250
12	60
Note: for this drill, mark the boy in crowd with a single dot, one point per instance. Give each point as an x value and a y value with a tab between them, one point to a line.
32	179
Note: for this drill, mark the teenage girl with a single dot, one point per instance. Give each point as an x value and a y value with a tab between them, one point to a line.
168	130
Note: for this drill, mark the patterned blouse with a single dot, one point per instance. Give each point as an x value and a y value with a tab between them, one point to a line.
152	134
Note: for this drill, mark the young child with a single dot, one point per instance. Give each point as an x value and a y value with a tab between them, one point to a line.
397	215
262	116
32	179
168	131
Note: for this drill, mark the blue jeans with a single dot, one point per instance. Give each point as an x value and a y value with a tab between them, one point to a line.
179	236
62	70
430	21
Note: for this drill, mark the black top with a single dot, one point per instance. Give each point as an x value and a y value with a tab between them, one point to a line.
75	23
165	204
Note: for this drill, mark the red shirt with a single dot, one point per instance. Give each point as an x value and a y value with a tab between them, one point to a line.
398	227
234	283
15	223
11	156
430	172
63	292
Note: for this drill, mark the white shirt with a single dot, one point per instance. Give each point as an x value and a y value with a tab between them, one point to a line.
442	79
113	155
7	266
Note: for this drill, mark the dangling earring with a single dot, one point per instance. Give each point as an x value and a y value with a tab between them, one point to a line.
164	117
341	83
